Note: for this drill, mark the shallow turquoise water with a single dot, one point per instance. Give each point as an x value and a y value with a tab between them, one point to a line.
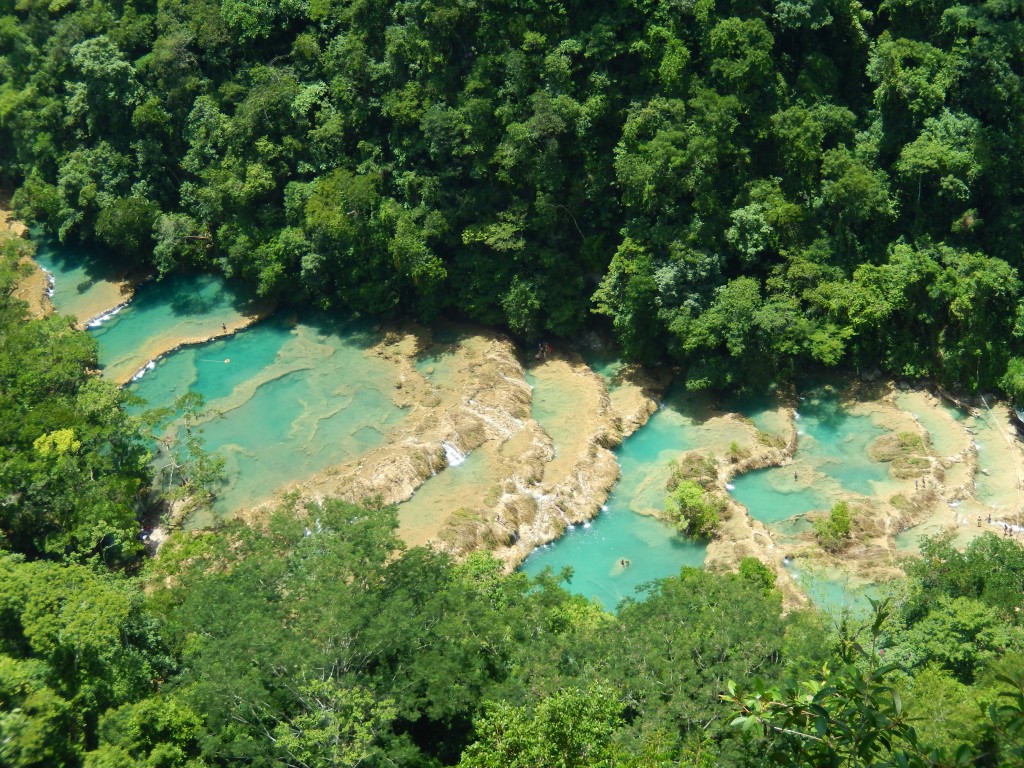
594	553
77	271
835	595
438	366
555	406
760	409
652	547
465	487
293	400
162	314
771	495
606	364
831	460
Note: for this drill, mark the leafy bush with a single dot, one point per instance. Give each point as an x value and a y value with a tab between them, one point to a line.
833	532
694	511
757	573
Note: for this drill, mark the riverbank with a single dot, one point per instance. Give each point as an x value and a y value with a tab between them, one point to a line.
33	288
84	286
500	453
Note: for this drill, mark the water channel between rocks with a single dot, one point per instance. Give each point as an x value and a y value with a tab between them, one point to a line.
625	547
290	398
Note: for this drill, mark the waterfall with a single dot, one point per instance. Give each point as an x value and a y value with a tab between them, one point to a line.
96	322
453	454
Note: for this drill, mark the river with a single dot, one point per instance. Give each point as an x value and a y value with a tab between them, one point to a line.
486	447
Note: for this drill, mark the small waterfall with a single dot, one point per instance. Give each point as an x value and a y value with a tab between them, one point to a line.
96	322
142	371
453	454
568	525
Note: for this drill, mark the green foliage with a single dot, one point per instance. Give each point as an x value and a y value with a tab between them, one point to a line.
854	715
746	190
72	462
833	532
851	716
694	511
187	471
571	728
76	643
738	190
757	573
1013	380
333	726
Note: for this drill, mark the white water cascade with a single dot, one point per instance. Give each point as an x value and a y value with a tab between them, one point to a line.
453	454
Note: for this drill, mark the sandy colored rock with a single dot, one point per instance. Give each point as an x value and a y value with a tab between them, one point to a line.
32	289
520	491
933	494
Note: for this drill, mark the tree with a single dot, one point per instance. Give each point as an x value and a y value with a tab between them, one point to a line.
335	726
693	510
569	729
192	474
833	532
76	643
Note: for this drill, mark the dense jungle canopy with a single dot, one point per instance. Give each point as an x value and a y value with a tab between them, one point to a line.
748	188
313	639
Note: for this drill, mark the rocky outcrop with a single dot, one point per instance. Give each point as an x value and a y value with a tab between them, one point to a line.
483	399
740	535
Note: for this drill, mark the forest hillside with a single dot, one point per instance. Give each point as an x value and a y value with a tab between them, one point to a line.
746	188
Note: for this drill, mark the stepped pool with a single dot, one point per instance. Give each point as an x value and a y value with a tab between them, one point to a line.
286	400
650	548
836	594
289	398
84	279
831	462
162	316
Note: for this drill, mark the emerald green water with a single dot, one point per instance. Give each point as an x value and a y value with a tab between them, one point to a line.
163	314
79	275
831	460
651	547
293	400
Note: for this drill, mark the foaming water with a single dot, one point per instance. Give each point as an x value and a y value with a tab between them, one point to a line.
285	402
162	315
83	279
623	549
453	455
